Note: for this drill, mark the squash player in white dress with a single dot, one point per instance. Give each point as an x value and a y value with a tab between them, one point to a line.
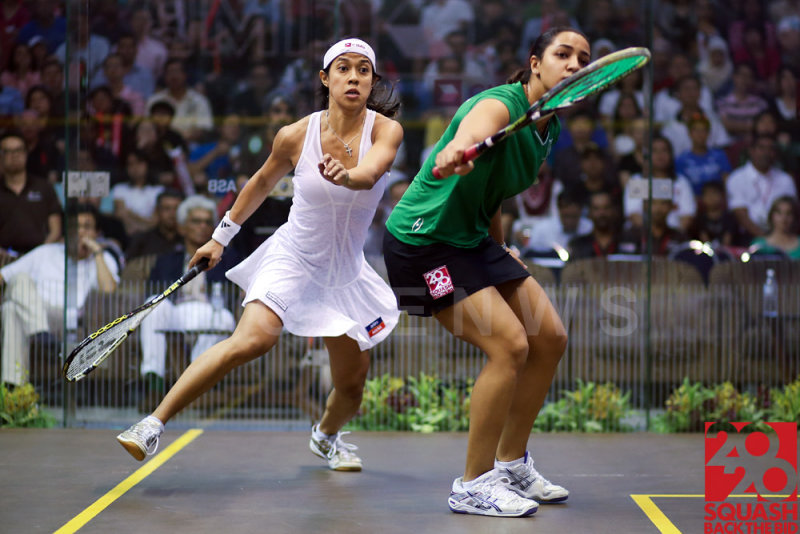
310	276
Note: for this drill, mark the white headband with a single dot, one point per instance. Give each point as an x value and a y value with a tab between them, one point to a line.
356	46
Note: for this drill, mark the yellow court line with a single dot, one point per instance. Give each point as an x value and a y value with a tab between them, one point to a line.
654	513
140	474
660	520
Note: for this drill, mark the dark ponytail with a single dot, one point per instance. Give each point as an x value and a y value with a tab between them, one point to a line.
537	49
382	99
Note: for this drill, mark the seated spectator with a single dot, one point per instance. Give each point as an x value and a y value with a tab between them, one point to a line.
86	48
676	127
665	237
46	23
753	187
759	50
629	85
138	78
738	109
252	98
135	199
782	233
597	174
150	52
554	233
21	73
189	308
702	164
44	159
685	204
633	162
667	102
165	148
622	123
714	223
110	119
786	96
220	160
440	17
30	214
114	72
789	39
604	237
193	118
581	130
163	237
34	293
11	101
716	67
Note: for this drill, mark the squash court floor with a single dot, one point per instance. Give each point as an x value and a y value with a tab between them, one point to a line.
230	482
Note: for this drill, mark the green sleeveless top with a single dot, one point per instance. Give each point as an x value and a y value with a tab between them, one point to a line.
457	210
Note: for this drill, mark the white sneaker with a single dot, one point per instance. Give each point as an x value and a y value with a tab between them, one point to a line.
141	439
527	482
337	452
489	495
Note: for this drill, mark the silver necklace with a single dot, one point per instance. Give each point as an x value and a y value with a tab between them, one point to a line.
347	146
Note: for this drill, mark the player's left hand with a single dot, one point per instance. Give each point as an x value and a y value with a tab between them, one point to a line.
333	170
514	251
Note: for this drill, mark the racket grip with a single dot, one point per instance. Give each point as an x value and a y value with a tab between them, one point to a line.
469	154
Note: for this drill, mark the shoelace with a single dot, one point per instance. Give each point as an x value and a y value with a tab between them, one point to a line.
536	474
340	445
493	492
145	432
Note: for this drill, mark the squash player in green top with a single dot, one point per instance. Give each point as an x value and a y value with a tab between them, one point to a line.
446	257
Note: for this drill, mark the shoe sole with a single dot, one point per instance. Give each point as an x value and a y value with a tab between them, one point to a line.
343	467
491	512
552	501
132	447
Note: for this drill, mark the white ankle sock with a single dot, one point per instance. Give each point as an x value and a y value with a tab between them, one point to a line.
154	419
512	463
319	434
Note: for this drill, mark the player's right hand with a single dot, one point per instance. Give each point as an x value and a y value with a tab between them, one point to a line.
211	250
449	160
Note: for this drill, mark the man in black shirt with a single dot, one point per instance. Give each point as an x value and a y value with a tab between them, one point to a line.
604	237
30	214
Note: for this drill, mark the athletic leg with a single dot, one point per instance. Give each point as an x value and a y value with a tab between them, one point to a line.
257	332
485	320
547	340
349	366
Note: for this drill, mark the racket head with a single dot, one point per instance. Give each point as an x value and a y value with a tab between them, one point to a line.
593	78
98	346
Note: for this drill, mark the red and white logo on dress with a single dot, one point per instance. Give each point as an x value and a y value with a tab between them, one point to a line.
439	282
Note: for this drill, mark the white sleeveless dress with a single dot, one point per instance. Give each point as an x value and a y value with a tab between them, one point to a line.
311	272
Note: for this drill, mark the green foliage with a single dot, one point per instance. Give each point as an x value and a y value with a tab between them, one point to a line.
692	404
421	404
590	408
784	405
20	408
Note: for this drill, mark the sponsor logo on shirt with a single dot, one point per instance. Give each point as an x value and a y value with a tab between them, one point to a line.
34	196
439	282
375	326
417	225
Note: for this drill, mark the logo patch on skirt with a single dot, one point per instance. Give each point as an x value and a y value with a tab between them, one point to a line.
439	282
375	326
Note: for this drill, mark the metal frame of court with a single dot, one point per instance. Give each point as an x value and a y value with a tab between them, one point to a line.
81	480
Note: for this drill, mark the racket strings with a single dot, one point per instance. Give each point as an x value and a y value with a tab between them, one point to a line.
94	352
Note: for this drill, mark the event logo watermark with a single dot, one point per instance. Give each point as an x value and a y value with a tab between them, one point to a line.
764	466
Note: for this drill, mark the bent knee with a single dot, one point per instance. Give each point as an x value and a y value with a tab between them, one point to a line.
241	350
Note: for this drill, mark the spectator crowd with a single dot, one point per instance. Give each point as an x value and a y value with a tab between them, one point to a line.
179	101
